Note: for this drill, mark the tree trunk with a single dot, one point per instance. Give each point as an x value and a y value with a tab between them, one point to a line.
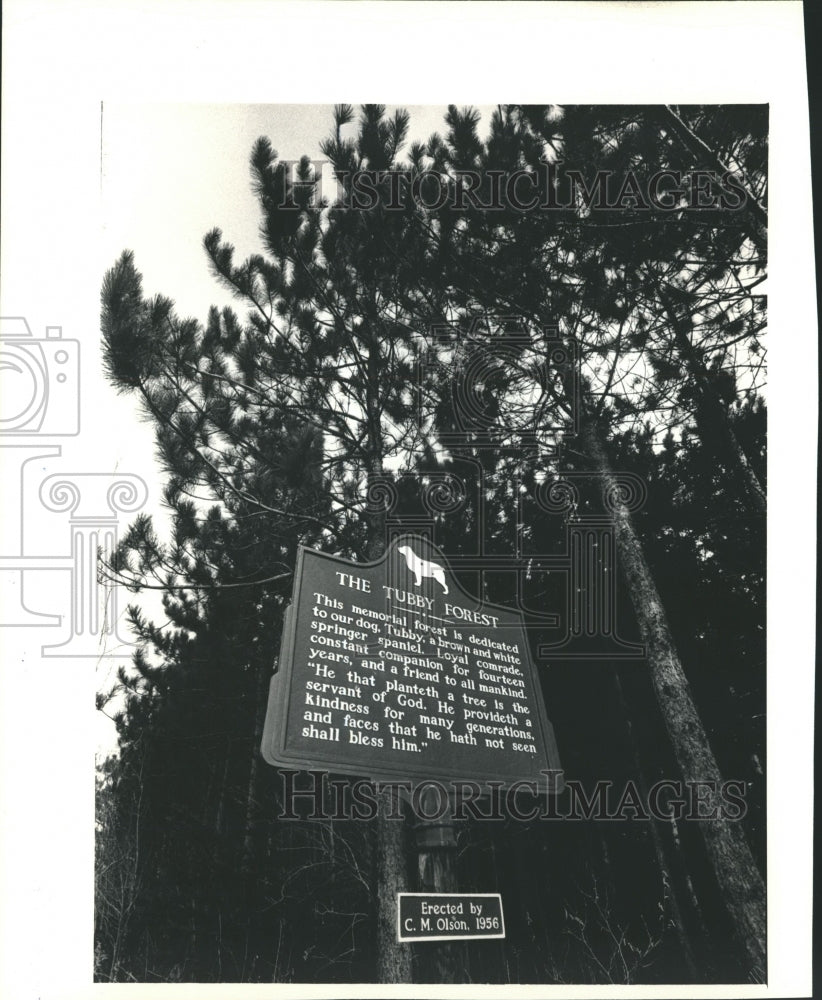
393	957
250	822
708	158
659	849
445	961
712	416
740	882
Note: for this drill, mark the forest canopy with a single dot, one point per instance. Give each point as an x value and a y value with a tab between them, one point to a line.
509	361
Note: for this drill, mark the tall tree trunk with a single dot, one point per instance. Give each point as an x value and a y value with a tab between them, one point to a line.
250	821
711	415
709	159
659	849
393	957
437	872
740	882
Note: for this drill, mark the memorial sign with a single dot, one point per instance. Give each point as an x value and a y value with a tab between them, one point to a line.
390	670
439	916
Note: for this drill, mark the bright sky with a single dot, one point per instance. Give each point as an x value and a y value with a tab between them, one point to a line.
168	174
172	172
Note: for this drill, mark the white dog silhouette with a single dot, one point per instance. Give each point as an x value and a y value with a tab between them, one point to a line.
422	568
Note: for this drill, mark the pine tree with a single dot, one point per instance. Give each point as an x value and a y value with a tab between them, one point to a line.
287	419
283	427
622	284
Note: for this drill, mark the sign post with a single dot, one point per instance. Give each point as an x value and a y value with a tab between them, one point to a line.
390	671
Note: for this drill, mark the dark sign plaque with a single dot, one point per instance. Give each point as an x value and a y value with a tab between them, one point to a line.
439	916
390	671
